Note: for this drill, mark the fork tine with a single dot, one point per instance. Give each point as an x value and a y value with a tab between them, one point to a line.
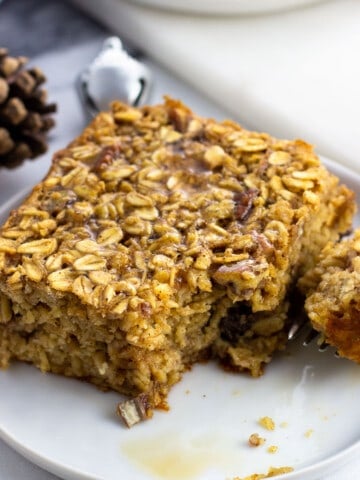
310	337
294	330
302	325
297	327
323	347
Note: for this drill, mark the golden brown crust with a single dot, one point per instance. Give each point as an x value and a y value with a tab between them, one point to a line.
333	302
122	264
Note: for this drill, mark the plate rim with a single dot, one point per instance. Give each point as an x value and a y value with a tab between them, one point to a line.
227	7
56	468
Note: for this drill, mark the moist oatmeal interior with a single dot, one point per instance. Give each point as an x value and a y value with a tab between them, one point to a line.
159	238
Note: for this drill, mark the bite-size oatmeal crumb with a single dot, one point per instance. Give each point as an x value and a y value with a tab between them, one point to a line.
272	472
332	290
267	422
255	440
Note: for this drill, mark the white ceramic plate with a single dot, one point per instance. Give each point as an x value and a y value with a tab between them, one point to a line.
245	7
70	428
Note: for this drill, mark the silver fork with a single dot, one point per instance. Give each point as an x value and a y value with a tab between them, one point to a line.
113	75
300	326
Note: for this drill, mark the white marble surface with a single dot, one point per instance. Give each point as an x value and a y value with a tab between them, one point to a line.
62	67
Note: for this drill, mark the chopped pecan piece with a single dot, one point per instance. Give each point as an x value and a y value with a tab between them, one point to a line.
105	157
244	203
134	410
255	440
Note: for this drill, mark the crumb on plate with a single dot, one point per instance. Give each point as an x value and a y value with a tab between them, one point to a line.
255	440
273	472
267	422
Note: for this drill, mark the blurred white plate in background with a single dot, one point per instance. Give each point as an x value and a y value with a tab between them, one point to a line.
227	6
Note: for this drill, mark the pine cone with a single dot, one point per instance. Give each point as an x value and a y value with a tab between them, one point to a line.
24	113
